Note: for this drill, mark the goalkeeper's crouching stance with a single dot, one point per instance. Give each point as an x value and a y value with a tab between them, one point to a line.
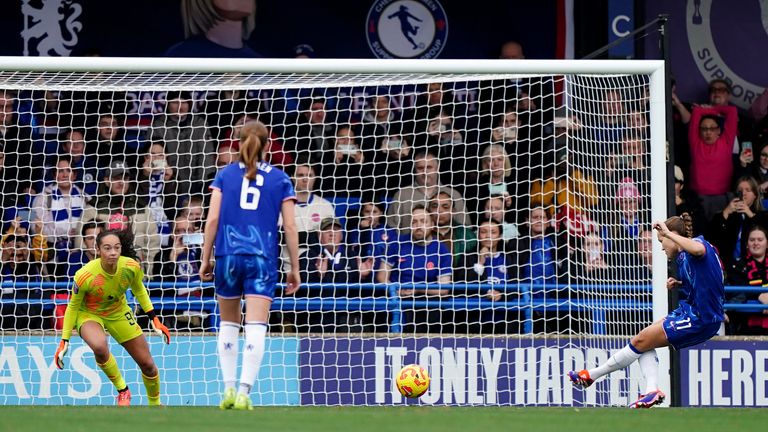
98	303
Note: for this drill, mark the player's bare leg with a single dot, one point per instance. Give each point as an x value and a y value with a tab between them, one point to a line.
96	338
139	351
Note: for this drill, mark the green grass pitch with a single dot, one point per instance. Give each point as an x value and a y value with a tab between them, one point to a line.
411	418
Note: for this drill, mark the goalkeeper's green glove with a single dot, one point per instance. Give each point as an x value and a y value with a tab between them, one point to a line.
158	327
61	352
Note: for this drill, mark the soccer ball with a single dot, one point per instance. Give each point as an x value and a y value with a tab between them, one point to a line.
412	381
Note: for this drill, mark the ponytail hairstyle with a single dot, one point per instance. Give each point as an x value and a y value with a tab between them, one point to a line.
126	242
682	224
253	139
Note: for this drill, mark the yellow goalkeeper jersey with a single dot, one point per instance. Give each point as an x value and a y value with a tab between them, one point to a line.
103	294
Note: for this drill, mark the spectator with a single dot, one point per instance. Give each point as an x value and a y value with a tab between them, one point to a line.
445	140
687	202
84	166
58	209
226	155
637	125
311	208
720	96
416	258
591	262
728	229
751	270
313	131
222	110
155	186
759	108
118	206
567	186
26	312
188	146
274	153
488	263
681	117
458	239
624	226
498	176
506	130
369	233
378	121
334	262
631	160
759	169
611	127
193	209
536	251
645	254
180	262
538	255
391	160
83	253
303	51
533	98
21	165
40	252
11	201
331	261
495	210
110	142
711	155
426	184
442	132
433	100
344	169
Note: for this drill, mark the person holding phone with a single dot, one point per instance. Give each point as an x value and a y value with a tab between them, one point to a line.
180	261
156	186
728	229
345	171
746	157
758	169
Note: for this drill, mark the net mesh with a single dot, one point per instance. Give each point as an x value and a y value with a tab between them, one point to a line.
455	206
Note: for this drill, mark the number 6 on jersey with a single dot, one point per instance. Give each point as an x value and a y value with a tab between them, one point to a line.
249	195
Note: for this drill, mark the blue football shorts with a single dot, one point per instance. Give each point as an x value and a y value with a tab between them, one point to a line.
684	330
244	275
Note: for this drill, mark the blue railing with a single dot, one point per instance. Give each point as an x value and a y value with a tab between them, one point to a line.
529	298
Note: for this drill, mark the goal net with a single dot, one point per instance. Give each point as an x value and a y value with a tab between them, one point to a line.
490	221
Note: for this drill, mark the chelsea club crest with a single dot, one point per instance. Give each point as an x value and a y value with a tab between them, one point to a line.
407	28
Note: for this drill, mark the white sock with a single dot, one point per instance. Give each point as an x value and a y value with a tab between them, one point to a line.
255	335
649	364
620	360
227	346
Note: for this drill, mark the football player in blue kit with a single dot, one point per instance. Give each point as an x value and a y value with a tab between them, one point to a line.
247	200
696	320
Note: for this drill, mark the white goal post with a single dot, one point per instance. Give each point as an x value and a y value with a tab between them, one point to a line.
537	329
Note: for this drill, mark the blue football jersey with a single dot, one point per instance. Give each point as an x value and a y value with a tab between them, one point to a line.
413	263
250	210
702	293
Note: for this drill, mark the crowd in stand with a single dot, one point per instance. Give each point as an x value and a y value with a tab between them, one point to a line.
505	191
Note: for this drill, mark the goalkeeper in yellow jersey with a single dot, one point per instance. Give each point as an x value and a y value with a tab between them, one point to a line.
98	303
